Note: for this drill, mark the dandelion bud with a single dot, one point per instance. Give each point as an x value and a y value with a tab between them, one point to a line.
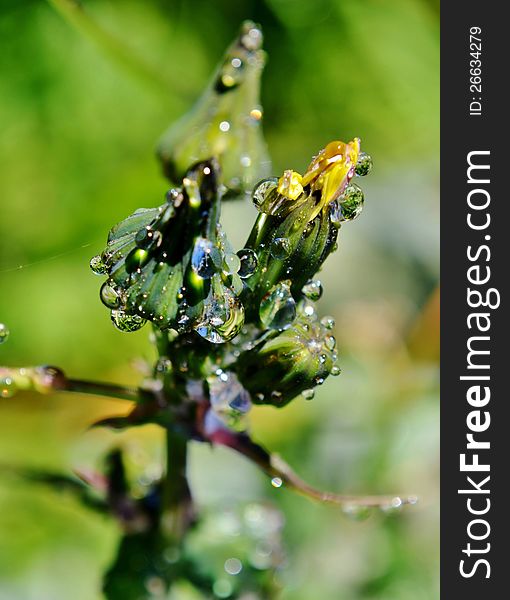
287	364
299	218
226	122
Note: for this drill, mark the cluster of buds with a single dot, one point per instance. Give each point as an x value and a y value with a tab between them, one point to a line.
239	326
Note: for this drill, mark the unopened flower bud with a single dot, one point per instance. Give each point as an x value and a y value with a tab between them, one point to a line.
226	122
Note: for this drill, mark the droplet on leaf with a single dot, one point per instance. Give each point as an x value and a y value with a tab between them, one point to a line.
127	323
312	289
248	264
278	308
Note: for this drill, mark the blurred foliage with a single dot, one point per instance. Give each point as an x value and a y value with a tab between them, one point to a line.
77	154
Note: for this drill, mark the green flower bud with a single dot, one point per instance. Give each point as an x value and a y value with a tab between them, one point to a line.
171	265
286	364
226	122
299	218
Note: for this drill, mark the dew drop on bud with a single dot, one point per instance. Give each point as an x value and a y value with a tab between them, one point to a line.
262	191
280	248
351	202
364	164
278	308
249	262
109	295
356	512
328	322
136	259
312	289
330	342
148	238
277	482
8	387
4	333
202	258
231	263
227	394
335	370
97	265
127	323
222	318
308	394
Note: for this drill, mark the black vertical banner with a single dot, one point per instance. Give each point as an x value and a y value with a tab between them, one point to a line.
475	344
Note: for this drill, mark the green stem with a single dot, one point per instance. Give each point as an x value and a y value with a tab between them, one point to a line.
177	513
47	380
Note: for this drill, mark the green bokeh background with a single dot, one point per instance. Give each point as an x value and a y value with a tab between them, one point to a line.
78	131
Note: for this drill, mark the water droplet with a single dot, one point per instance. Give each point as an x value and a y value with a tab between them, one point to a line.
356	512
278	308
330	342
262	191
248	262
4	333
335	370
233	566
276	396
164	365
364	164
308	394
227	394
351	202
125	322
328	322
280	248
8	387
394	505
231	263
97	266
202	258
110	295
136	259
276	482
222	317
148	238
312	289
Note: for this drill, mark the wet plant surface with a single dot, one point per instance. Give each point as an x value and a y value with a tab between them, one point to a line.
233	327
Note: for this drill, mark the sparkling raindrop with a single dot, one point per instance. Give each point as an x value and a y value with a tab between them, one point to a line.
148	238
226	394
357	512
202	258
351	202
330	342
280	248
249	262
222	318
127	323
278	308
262	191
97	265
312	289
364	164
308	394
328	322
231	263
335	370
136	259
110	295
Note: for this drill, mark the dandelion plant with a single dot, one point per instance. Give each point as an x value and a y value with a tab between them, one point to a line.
232	327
